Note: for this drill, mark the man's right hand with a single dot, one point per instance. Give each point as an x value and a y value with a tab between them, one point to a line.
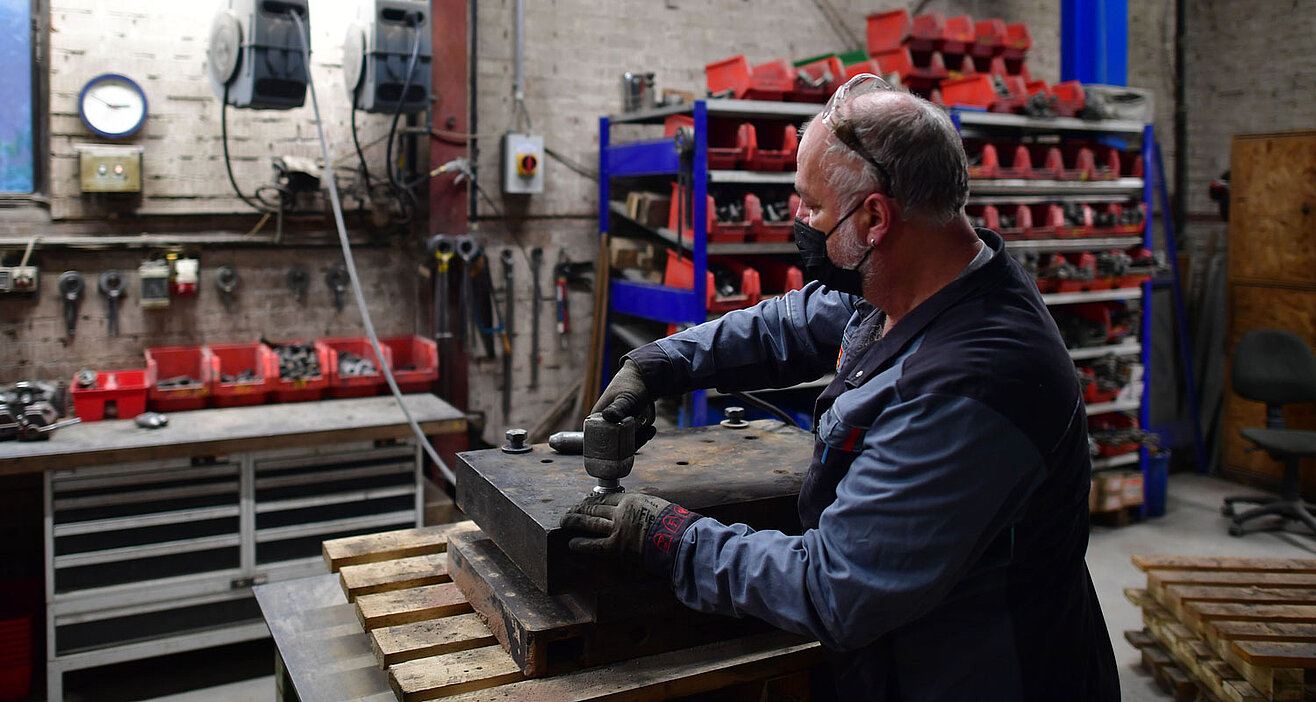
627	396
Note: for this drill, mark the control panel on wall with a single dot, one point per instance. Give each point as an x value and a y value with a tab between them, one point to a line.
523	164
109	169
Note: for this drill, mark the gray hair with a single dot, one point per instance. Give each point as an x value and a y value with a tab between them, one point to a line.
919	146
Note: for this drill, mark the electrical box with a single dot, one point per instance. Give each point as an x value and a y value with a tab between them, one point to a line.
377	53
18	279
523	164
154	276
255	51
104	168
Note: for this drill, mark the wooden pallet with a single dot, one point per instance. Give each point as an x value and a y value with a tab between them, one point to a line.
423	631
1245	628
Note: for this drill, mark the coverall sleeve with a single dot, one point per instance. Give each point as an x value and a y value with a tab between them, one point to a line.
777	343
937	480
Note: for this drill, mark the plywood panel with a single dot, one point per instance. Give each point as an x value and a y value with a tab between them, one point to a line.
1278	249
1272	228
1262	307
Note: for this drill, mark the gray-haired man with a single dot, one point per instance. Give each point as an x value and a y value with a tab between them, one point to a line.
945	511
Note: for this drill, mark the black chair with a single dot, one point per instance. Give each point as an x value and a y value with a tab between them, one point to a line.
1276	367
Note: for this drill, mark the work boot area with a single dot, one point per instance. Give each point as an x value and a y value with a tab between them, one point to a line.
434	350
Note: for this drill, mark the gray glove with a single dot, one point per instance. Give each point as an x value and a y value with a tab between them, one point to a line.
627	396
616	524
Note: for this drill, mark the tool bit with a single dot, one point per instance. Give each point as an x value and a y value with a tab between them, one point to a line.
112	286
71	286
609	451
298	281
227	280
337	280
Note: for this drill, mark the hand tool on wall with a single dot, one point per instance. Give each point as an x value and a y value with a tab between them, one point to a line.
536	262
565	272
299	279
337	280
227	280
112	285
71	286
466	249
506	258
482	310
442	248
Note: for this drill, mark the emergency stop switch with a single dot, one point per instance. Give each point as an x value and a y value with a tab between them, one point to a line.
523	161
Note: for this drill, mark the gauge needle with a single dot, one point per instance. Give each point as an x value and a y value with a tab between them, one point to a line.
107	103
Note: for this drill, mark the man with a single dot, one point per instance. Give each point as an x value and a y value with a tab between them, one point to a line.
945	511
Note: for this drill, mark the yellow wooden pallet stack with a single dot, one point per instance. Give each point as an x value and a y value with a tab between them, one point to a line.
1244	629
425	633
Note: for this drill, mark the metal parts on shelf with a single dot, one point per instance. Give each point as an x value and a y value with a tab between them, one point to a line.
28	411
297	361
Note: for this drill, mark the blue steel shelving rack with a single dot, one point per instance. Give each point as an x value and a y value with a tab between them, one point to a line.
661	157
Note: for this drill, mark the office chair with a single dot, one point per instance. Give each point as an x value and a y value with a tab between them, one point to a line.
1275	367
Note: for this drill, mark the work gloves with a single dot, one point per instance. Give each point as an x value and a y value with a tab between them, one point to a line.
641	530
627	396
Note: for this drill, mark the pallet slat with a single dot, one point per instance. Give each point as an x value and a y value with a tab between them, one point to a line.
405	642
1242	565
398	574
388	545
412	605
1277	654
453	673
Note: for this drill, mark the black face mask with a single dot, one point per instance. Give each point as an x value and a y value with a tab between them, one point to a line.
812	243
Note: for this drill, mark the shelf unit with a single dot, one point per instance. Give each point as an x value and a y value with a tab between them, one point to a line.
661	158
974	124
149	558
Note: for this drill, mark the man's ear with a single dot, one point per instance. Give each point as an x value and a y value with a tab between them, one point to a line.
882	214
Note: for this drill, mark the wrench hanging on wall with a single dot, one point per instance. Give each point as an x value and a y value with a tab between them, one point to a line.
506	258
536	262
71	286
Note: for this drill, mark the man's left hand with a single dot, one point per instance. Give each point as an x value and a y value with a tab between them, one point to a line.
615	524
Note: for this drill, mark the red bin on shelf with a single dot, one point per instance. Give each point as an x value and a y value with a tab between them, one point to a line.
300	389
185	373
887	31
361	384
415	363
117	394
251	369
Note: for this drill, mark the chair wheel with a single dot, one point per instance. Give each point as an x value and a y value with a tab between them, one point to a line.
1235	529
1227	509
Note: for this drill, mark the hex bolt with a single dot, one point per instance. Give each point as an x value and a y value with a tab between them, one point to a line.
735	418
516	441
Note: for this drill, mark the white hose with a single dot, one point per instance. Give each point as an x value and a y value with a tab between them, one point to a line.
351	264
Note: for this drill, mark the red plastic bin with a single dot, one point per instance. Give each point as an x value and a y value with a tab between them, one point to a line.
360	385
234	359
300	389
715	231
165	362
781	230
772	147
117	393
817	80
729	144
887	31
16	658
733	77
416	353
680	274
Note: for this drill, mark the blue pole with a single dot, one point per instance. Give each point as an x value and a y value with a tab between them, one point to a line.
1094	41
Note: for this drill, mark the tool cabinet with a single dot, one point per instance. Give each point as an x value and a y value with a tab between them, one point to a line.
152	545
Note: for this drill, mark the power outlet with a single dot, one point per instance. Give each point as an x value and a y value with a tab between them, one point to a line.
19	279
523	164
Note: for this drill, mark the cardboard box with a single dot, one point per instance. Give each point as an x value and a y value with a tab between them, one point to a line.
1132	489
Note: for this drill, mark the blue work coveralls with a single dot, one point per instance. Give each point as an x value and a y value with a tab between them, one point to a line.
945	510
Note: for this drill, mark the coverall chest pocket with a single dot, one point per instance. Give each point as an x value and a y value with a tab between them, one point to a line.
837	446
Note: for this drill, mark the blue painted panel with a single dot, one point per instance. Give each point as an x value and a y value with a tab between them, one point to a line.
641	158
657	302
1094	41
16	153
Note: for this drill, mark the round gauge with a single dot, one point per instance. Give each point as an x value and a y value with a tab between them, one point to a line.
112	106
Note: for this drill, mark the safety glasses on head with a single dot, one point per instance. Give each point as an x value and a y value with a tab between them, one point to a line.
834	115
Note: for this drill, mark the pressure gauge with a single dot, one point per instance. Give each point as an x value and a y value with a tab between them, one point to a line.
113	106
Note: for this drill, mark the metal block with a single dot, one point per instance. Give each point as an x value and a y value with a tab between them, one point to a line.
751	475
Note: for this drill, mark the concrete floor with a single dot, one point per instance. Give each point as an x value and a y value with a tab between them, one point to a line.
1192	525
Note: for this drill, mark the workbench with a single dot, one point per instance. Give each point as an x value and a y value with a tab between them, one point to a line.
409	634
154	538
